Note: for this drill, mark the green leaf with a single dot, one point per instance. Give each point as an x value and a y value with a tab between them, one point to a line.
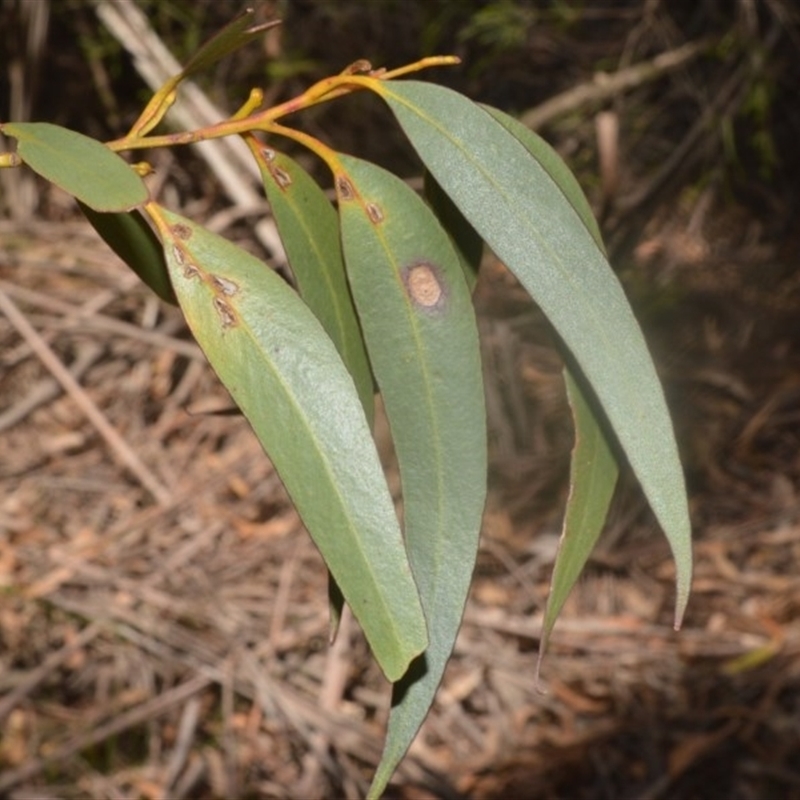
309	229
287	378
514	204
594	470
234	35
81	166
554	166
419	326
593	476
132	239
465	238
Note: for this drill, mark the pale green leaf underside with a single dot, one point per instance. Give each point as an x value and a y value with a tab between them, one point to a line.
416	313
511	200
285	375
78	164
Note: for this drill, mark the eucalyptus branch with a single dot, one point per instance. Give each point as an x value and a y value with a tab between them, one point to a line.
245	119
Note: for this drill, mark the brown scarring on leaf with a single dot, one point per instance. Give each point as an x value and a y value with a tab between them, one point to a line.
190	271
374	213
226	313
182	232
281	177
423	284
177	254
225	285
344	188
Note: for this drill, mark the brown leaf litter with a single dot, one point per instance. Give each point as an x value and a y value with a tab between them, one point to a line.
163	632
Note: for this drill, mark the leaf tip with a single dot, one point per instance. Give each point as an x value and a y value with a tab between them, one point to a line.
680	607
683	580
537	678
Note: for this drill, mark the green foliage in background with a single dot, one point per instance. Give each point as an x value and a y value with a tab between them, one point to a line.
383	303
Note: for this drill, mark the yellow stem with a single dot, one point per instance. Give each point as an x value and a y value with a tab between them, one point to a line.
9	160
255	99
314	145
244	120
423	63
154	111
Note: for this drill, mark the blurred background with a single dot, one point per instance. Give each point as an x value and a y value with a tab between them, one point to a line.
163	630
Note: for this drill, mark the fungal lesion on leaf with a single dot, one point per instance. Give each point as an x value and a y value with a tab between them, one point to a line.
177	254
374	212
424	285
180	256
226	314
344	188
281	177
225	285
182	232
190	271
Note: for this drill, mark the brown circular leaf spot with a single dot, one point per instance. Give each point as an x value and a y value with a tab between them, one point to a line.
423	286
182	232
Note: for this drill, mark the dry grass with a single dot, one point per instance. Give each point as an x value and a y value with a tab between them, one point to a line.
177	648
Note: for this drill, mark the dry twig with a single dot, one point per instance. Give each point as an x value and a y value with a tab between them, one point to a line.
119	447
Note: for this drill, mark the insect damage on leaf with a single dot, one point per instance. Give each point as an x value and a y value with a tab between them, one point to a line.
423	285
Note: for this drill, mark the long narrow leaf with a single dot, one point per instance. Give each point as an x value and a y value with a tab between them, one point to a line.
237	33
309	229
419	326
552	163
286	376
78	164
594	471
512	201
593	475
